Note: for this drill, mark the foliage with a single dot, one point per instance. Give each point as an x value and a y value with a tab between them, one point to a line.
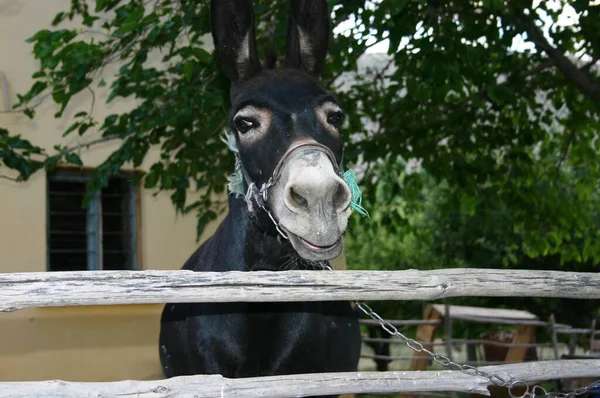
435	231
508	140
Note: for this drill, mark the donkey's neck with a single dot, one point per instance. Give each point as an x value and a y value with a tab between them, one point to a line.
255	243
251	242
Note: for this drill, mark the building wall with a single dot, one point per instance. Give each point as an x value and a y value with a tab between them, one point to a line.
100	343
83	343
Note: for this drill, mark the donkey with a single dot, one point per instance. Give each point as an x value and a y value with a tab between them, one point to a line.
285	131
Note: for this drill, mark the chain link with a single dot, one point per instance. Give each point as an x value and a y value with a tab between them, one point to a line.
507	381
438	358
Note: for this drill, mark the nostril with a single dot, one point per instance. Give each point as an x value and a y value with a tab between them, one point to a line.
297	200
341	197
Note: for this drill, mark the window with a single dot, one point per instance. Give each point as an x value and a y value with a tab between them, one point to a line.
103	236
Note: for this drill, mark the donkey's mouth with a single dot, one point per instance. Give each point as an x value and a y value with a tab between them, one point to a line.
317	247
313	252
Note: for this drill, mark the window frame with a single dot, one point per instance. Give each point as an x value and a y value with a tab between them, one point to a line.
94	220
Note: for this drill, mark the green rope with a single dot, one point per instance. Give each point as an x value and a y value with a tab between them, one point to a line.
356	202
236	179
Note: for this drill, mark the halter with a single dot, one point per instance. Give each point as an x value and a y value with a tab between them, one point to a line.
260	195
257	195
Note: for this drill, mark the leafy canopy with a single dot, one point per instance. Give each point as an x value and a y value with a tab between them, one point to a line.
506	138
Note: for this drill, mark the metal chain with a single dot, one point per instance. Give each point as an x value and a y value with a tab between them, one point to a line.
508	381
260	197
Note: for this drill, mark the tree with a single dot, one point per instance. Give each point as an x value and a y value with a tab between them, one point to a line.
494	125
435	231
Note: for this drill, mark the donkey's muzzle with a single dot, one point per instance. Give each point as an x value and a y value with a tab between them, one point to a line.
314	186
311	201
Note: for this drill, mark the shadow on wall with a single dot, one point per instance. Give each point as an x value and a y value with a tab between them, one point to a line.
11	8
81	343
76	330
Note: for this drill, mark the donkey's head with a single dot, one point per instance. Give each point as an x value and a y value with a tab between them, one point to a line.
286	126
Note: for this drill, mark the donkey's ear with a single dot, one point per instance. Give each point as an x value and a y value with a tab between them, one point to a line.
234	37
308	35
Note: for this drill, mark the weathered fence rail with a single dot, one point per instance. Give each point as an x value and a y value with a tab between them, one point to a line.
460	341
401	322
22	290
305	384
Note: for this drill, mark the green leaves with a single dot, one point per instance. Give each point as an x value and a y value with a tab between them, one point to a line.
510	171
73	158
130	20
106	5
500	94
494	5
490	125
151	179
188	70
19	155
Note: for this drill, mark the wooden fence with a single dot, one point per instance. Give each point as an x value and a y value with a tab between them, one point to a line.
553	346
23	290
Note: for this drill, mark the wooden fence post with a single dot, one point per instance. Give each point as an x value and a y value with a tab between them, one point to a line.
552	326
425	334
524	335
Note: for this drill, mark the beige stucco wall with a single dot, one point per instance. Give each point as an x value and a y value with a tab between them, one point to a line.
84	343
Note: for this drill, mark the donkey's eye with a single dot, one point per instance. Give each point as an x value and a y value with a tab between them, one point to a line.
335	119
244	125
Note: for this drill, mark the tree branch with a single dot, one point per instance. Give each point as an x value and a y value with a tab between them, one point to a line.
437	116
86	145
584	82
3	177
566	148
331	82
589	65
93	100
